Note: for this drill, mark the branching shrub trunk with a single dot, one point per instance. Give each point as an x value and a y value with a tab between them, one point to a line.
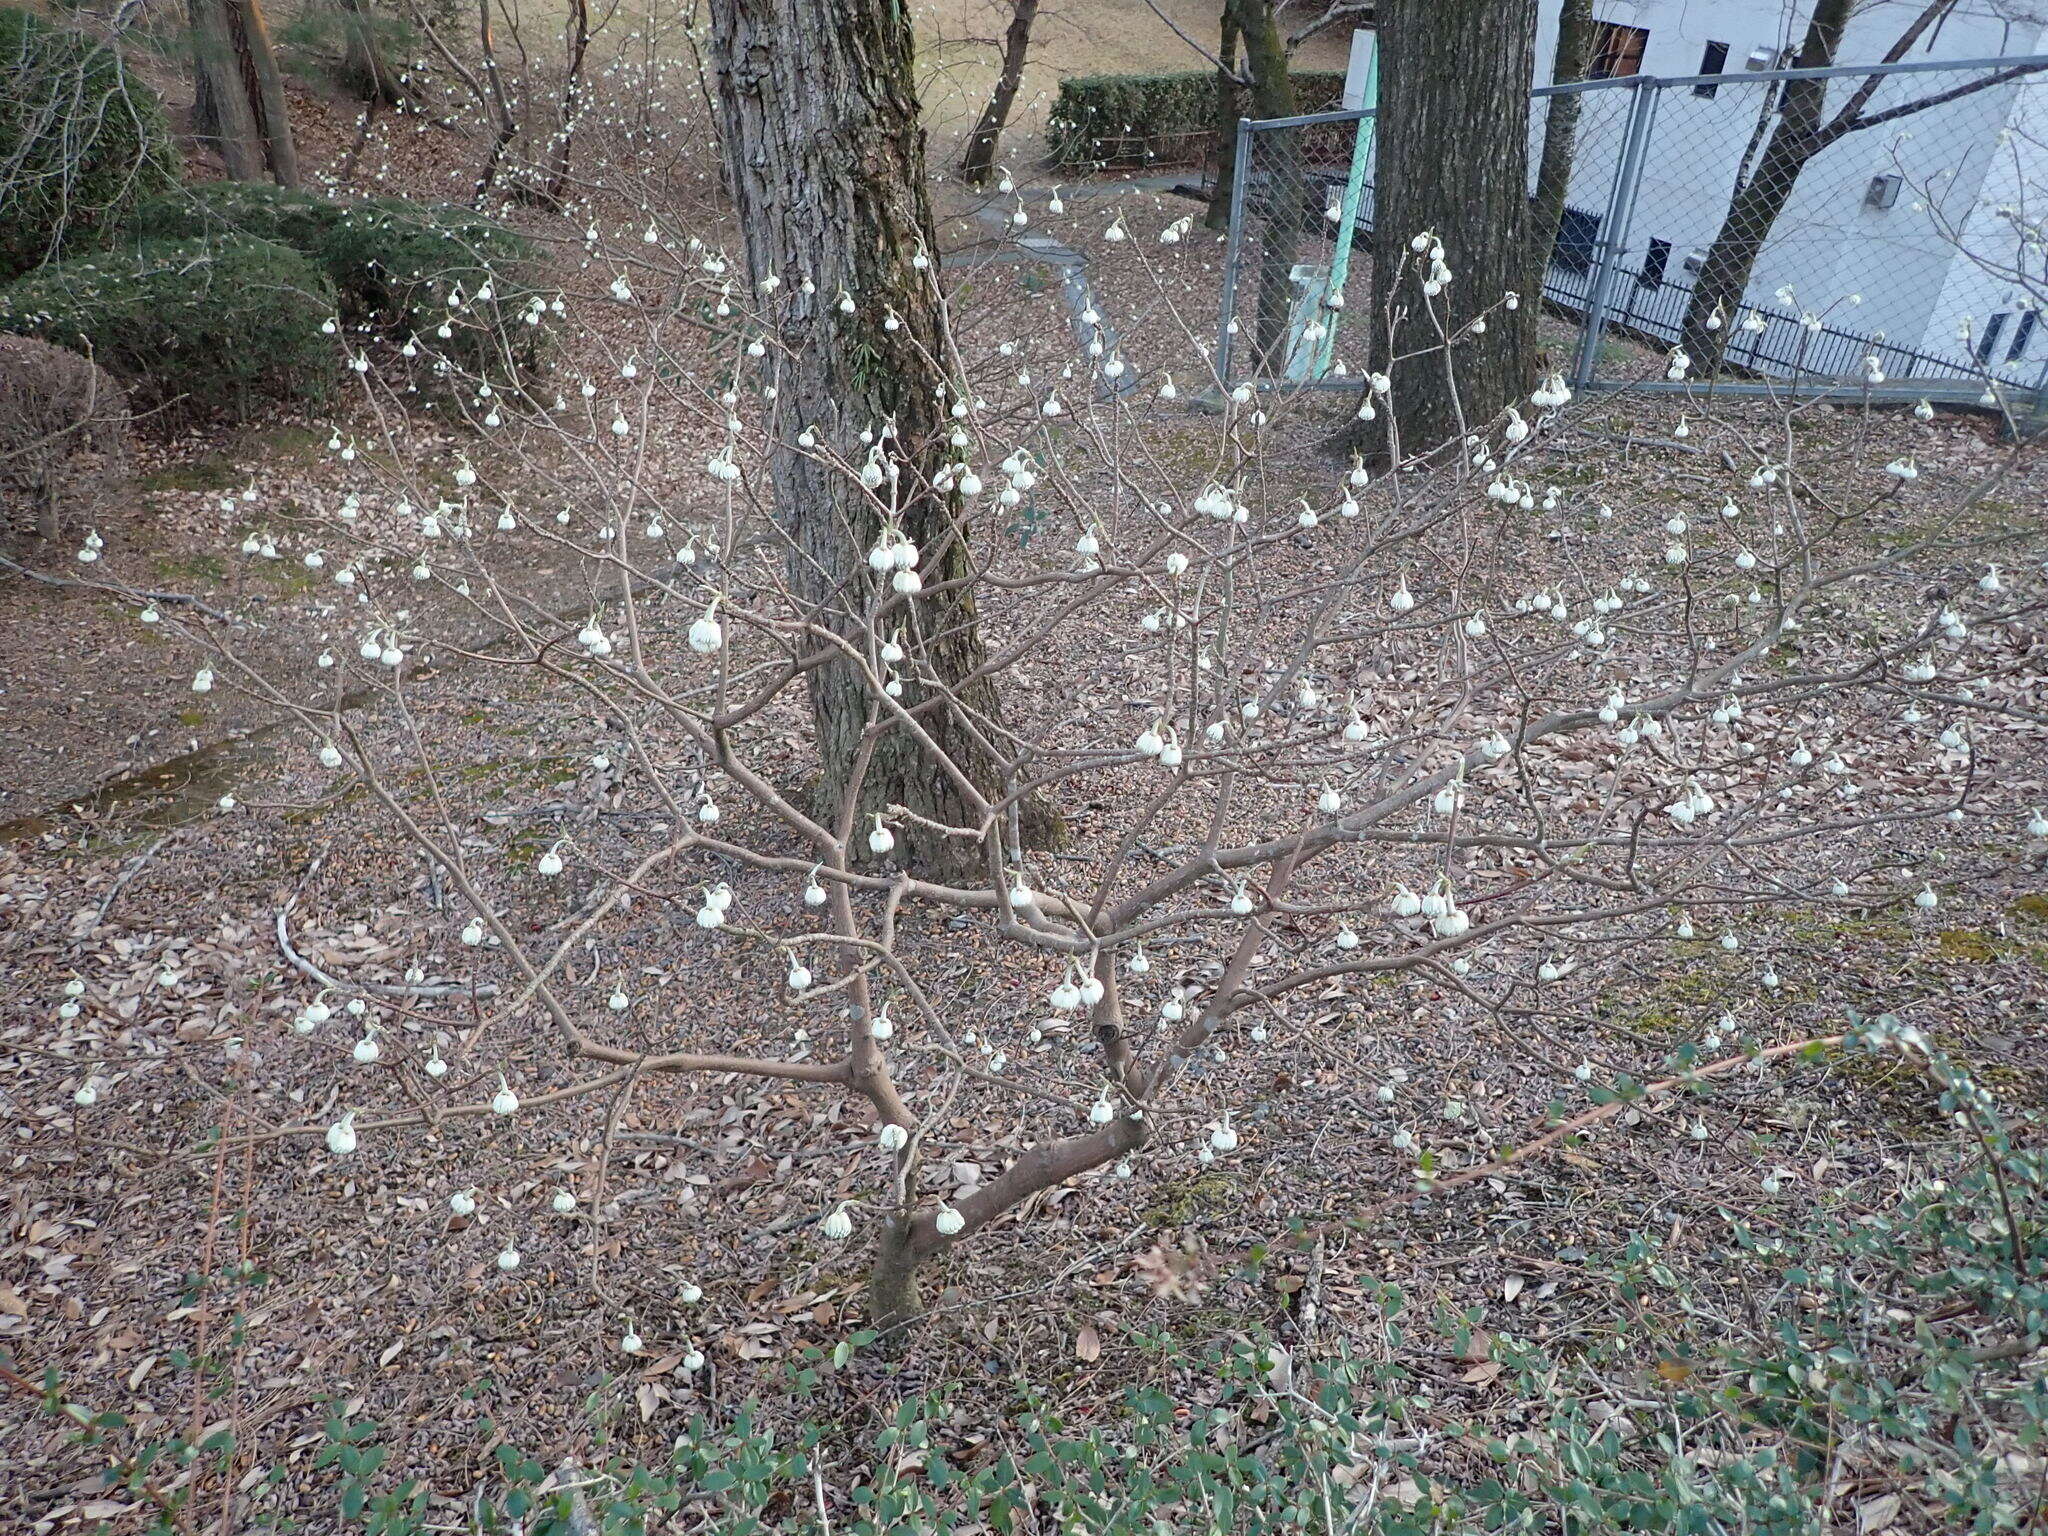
66	445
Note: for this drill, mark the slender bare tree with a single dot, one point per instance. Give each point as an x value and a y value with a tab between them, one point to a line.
1804	128
980	156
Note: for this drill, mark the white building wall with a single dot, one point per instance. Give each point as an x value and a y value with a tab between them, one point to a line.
1977	292
1891	271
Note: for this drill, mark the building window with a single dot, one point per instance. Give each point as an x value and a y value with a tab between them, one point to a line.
1659	257
1713	61
1987	344
1617	50
2022	336
1578	234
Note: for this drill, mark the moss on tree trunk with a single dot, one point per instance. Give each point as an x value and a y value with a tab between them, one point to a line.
826	163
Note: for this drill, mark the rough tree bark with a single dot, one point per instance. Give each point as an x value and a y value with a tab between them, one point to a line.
1560	139
238	93
980	158
1803	130
893	1298
1229	102
1452	158
1286	208
826	164
363	66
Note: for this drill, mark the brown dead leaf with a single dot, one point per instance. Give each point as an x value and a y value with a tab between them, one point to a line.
1088	1344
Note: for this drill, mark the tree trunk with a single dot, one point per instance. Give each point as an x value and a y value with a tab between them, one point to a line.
1724	275
223	117
499	102
363	67
1452	158
576	43
238	93
1560	139
1284	204
981	144
826	163
1756	203
265	85
1228	103
908	1241
893	1295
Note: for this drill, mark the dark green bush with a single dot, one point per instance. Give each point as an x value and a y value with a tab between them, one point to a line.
1160	119
197	325
394	263
257	210
81	141
399	263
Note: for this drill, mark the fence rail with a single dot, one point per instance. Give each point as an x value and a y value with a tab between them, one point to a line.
1896	255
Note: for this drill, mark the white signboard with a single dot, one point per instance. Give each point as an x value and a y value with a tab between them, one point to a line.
1363	41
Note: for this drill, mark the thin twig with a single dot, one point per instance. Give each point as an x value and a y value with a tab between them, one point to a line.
95	586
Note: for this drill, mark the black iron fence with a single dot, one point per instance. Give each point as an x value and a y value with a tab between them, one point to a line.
1895	258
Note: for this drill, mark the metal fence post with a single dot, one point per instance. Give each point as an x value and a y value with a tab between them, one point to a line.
1239	174
1621	207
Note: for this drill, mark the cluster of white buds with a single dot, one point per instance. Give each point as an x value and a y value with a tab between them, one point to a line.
895	552
1694	803
1446	919
1551	393
1509	491
1215	502
717	902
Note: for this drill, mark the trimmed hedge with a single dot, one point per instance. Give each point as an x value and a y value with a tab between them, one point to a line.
393	262
256	210
207	325
81	141
1159	119
406	260
66	446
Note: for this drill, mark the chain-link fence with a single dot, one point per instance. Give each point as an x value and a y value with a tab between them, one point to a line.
1875	227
